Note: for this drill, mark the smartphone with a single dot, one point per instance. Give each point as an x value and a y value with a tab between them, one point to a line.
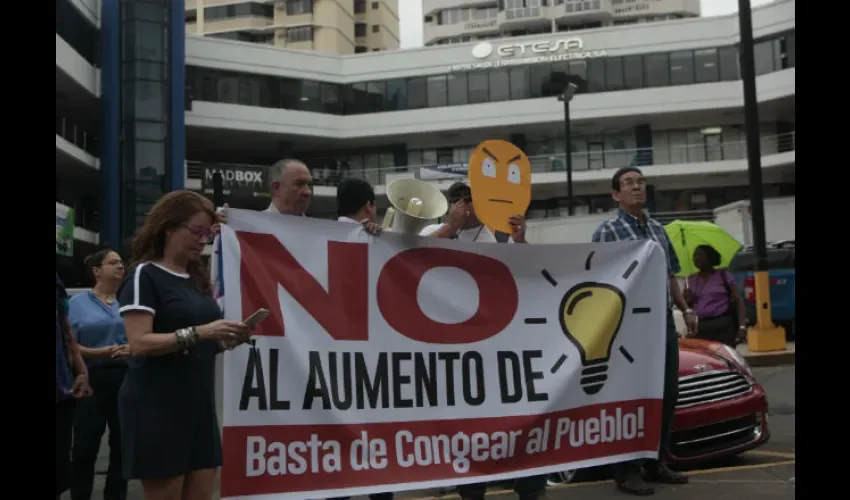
259	315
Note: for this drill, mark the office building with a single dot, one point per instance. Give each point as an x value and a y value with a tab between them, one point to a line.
326	26
458	21
664	96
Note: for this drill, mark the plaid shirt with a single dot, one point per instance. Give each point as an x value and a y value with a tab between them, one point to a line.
625	227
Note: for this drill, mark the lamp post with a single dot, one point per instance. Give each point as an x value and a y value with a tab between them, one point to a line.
566	97
764	336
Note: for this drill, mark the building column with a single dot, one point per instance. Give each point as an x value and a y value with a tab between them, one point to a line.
152	88
110	135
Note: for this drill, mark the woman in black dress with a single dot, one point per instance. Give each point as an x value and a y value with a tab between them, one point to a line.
169	430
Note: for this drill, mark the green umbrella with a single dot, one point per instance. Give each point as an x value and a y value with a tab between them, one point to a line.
687	235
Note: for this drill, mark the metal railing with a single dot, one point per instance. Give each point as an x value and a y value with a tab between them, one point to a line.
589	160
78	136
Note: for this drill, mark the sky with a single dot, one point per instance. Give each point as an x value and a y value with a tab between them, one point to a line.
411	16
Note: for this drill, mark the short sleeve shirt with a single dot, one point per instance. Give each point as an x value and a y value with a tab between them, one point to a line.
480	234
174	302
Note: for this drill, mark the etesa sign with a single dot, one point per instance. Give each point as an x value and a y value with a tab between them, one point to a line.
515	54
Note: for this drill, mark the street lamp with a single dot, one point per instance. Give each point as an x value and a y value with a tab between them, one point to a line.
566	97
764	336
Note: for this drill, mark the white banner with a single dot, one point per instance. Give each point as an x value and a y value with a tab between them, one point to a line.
398	362
451	171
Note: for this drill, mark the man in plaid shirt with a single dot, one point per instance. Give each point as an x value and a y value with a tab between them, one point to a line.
631	223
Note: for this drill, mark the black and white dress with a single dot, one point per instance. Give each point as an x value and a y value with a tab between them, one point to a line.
166	405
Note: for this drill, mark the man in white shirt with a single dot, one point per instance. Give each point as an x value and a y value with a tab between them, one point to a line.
463	225
355	203
291	187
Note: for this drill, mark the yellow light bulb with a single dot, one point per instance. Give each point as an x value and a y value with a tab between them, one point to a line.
591	315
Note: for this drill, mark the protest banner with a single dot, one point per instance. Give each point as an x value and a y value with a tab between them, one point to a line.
397	362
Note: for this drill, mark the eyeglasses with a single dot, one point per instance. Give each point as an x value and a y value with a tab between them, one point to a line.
200	234
116	262
639	182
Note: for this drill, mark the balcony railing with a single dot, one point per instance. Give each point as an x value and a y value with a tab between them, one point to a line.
78	136
585	160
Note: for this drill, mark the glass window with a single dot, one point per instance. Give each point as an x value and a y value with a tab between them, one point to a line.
331	102
457	85
620	149
359	29
596	75
417	93
539	78
660	148
479	87
290	93
144	40
578	75
519	83
705	64
357	102
633	72
311	96
763	57
791	50
375	92
657	70
396	96
500	88
614	78
728	62
696	146
678	146
147	100
682	67
437	91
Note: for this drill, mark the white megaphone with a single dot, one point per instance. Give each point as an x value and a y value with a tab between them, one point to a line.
414	204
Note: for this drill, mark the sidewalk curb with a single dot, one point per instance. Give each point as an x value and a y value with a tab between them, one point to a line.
778	358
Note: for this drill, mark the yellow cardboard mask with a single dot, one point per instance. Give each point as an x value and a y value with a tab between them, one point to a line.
500	181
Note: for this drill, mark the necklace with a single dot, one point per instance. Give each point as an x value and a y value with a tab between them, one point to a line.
106	299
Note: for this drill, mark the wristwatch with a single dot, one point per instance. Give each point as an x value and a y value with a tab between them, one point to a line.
688	311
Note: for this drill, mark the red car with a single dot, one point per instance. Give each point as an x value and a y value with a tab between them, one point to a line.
721	411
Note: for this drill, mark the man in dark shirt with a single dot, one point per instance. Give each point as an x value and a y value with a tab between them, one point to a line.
631	223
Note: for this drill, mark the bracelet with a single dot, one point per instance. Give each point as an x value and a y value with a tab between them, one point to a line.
186	337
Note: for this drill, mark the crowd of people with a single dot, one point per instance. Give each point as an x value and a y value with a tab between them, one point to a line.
135	354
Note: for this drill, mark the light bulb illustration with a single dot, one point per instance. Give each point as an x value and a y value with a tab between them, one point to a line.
591	314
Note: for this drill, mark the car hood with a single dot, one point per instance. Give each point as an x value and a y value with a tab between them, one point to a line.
700	356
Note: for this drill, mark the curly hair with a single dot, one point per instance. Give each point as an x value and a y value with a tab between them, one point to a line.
170	212
712	255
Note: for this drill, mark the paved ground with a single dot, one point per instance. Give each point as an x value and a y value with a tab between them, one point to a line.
763	474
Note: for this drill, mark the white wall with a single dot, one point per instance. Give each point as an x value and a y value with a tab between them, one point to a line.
72	64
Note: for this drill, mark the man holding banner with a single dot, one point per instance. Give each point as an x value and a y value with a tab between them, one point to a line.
462	223
628	188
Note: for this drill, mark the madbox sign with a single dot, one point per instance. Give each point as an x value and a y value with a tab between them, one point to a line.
513	54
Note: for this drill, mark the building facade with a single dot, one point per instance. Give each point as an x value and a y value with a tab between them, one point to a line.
458	21
326	26
664	96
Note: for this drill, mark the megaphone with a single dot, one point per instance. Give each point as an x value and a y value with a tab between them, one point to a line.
414	203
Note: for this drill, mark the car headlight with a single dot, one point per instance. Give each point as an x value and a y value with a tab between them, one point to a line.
736	356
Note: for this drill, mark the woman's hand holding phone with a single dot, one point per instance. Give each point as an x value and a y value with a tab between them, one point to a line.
224	330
